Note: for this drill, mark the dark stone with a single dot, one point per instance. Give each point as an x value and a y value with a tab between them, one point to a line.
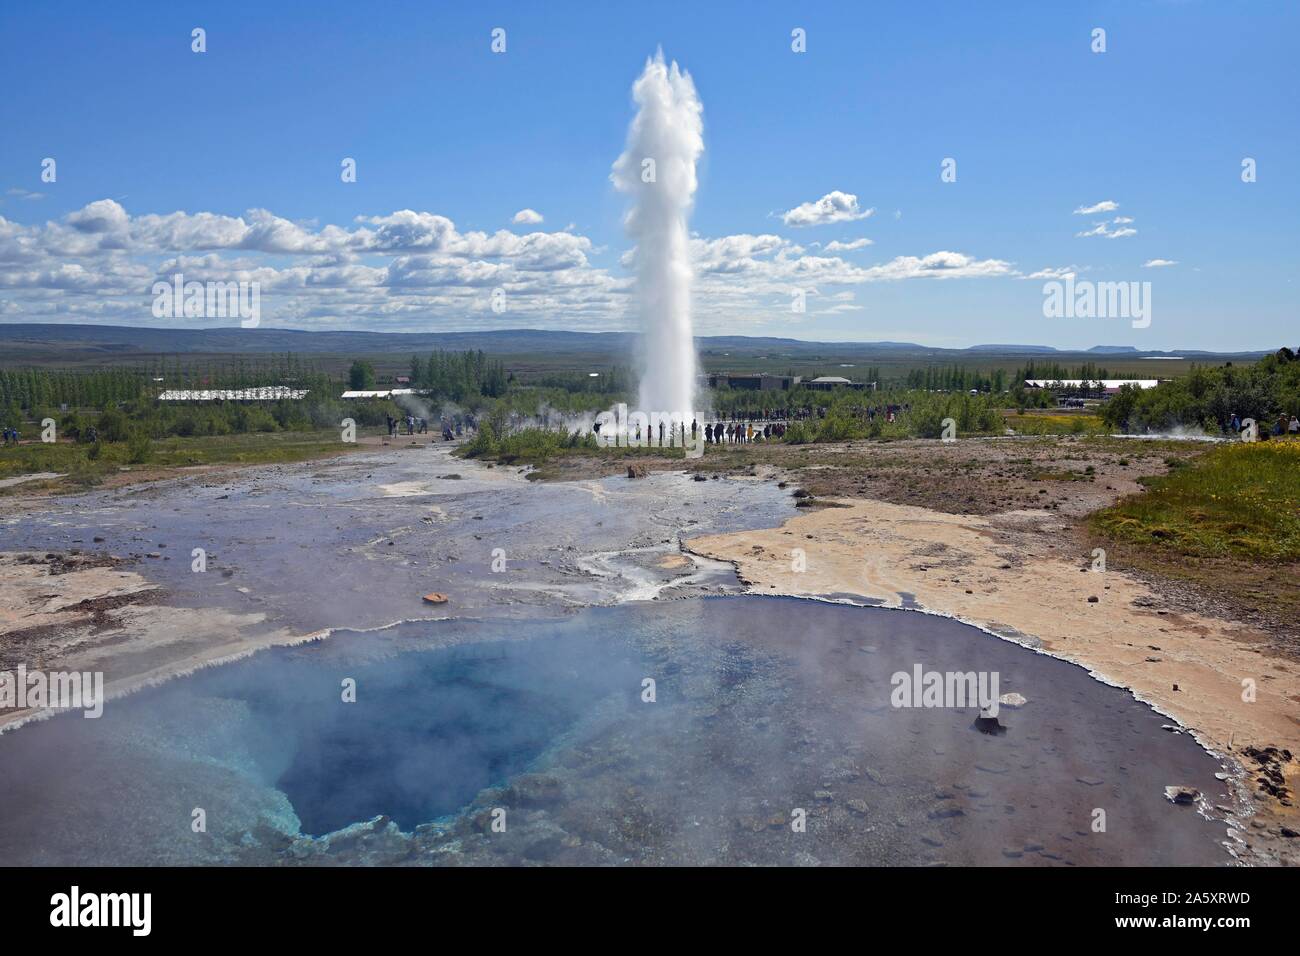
988	725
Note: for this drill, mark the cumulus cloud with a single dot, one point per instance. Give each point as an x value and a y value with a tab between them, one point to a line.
939	265
527	217
413	270
1159	263
103	215
834	207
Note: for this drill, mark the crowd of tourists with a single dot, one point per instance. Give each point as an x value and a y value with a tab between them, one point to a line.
451	427
1283	426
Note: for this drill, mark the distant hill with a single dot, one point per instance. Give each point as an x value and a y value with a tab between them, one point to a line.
1016	349
21	342
117	338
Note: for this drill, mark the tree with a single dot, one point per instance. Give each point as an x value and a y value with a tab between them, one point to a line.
361	375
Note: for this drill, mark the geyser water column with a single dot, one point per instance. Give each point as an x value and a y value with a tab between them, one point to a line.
657	169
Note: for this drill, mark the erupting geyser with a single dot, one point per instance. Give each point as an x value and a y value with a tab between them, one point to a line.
658	170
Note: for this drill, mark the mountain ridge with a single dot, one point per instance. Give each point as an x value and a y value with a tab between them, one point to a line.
146	339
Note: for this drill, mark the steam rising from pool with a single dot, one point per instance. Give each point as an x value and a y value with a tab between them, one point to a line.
761	707
657	169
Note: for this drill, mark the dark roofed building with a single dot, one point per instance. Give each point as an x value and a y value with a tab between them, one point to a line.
755	381
825	383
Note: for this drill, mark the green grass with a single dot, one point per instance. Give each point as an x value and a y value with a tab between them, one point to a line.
1239	500
84	466
525	445
1049	424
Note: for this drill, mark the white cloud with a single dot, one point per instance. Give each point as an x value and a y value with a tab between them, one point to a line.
939	265
411	269
1106	205
103	215
1159	263
528	217
1103	230
1054	272
834	207
837	246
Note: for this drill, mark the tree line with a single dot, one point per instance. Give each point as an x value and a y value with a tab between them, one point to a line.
1207	397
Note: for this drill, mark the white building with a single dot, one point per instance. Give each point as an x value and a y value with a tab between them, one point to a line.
261	393
383	393
1109	385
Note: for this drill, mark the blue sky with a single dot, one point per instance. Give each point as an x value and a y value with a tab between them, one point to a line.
143	129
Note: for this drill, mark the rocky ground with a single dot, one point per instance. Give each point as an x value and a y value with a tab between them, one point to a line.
1069	477
105	581
990	531
1183	636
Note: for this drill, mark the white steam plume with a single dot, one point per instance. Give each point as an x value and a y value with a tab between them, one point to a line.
657	169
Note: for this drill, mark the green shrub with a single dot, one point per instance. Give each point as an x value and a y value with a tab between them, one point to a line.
113	425
139	448
798	433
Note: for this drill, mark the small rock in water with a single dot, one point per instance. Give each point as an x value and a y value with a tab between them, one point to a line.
1012	700
1183	795
989	725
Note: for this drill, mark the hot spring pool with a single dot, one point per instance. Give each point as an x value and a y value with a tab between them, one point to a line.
764	710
